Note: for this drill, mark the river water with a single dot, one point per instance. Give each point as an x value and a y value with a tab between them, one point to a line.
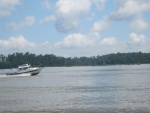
97	89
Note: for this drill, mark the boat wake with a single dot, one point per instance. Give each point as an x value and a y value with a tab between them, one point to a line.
3	75
19	75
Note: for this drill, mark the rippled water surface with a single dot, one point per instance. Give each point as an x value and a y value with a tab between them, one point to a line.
106	89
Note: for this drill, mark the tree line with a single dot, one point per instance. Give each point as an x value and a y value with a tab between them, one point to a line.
50	60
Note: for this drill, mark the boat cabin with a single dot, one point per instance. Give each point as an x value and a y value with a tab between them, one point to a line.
24	67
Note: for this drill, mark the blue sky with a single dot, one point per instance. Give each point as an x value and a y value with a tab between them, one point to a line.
72	28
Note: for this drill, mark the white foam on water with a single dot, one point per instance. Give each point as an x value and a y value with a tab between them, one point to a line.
3	75
24	74
19	75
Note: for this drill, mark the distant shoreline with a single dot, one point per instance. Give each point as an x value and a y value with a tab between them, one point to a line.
50	60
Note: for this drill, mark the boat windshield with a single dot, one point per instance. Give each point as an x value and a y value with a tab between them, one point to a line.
23	67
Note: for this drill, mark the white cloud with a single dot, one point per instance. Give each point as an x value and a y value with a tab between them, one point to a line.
137	43
47	19
130	8
76	45
136	39
7	6
29	20
84	45
70	7
16	43
139	25
75	40
100	26
99	3
69	12
46	4
109	41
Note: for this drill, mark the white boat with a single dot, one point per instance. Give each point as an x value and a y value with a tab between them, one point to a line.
26	69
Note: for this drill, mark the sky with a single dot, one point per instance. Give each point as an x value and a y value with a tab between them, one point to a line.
74	28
